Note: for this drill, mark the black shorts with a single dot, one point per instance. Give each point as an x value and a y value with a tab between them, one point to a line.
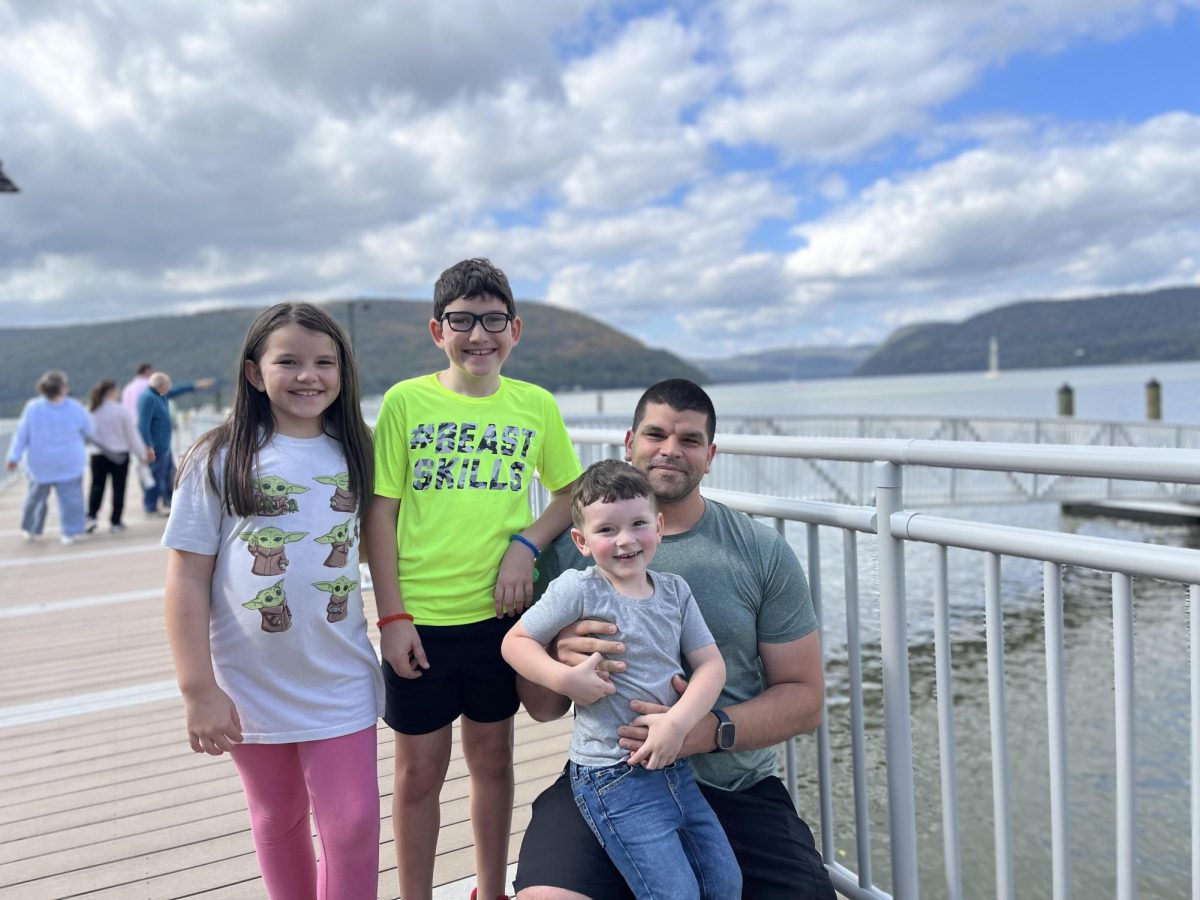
466	676
773	846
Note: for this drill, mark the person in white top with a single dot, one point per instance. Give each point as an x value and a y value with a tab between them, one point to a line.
132	392
109	449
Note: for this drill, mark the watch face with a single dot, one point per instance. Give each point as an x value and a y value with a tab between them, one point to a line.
725	735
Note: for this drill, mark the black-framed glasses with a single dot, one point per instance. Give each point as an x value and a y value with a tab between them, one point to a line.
493	322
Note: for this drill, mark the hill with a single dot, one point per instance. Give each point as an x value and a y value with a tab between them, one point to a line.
785	364
1158	326
559	349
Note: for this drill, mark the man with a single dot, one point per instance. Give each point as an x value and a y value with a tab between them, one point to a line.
154	423
754	597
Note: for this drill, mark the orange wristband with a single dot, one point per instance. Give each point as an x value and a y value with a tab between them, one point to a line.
396	617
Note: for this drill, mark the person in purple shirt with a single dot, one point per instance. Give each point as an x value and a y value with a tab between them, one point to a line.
51	435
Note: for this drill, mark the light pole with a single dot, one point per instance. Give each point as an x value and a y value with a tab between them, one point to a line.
6	184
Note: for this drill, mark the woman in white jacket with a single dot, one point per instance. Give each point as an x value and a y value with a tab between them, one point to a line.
116	437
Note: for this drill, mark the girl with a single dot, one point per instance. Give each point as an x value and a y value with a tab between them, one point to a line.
269	638
51	436
116	437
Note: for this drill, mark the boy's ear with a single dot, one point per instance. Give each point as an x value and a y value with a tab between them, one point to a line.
253	374
515	328
659	523
435	331
580	543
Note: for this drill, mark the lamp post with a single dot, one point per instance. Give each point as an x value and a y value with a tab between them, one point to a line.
6	184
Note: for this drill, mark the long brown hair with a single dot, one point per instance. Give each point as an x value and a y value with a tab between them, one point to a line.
99	391
250	423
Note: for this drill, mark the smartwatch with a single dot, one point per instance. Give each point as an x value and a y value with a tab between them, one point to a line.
726	731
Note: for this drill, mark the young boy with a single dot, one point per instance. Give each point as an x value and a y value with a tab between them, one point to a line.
452	544
644	808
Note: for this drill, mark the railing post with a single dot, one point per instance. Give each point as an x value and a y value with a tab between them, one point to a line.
893	621
1123	678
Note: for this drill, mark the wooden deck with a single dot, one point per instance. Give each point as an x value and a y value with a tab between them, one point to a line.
100	795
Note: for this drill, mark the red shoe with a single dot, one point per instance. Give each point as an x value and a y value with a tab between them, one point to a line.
475	891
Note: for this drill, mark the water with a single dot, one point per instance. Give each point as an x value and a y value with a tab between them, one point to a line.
1161	648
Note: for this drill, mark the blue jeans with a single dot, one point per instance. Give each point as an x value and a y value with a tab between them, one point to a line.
658	830
70	506
163	470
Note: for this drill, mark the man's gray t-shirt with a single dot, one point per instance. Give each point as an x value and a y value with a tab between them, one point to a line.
750	589
656	631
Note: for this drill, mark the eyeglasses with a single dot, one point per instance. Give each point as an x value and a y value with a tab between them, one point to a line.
492	322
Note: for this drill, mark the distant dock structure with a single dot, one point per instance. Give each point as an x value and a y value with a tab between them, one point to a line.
993	369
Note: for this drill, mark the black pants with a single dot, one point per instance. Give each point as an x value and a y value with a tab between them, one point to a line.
102	470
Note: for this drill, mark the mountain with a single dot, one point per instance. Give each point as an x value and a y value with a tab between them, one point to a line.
1157	326
785	364
559	349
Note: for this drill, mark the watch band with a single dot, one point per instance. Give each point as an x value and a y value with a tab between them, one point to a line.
726	731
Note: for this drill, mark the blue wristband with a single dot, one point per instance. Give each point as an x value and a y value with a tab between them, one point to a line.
528	543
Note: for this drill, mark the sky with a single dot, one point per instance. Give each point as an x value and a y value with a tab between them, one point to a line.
711	177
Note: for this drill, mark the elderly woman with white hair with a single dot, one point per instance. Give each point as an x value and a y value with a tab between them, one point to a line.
51	436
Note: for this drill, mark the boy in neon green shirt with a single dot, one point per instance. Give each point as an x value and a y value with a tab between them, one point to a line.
452	543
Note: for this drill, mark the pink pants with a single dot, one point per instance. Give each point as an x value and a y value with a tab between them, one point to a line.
337	778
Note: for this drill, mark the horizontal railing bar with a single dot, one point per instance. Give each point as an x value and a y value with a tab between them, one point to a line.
837	515
1128	463
1180	564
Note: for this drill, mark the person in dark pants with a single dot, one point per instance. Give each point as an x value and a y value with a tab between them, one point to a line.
754	597
154	424
115	439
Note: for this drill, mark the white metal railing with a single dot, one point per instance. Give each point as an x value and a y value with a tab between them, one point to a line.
896	527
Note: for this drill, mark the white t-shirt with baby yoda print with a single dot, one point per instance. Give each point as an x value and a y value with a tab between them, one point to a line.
287	629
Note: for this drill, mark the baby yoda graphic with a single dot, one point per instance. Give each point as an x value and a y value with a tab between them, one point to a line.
272	604
339	593
342	500
266	546
339	537
271	495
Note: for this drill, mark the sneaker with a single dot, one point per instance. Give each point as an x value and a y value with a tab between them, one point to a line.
117	528
475	892
30	536
89	525
68	539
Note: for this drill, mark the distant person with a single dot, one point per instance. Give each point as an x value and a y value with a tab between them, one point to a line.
452	541
115	439
644	807
133	391
155	426
51	435
264	611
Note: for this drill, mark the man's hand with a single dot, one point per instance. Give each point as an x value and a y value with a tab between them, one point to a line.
213	726
584	684
204	384
150	455
400	646
11	466
514	581
701	739
581	639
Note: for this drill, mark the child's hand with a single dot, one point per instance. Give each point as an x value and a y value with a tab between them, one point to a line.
663	740
213	726
514	581
400	646
583	684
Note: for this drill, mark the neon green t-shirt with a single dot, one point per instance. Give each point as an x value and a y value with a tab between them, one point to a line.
461	468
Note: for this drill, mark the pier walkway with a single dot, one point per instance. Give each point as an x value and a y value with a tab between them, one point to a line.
99	795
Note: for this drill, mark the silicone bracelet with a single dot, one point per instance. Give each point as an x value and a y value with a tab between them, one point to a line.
528	543
396	617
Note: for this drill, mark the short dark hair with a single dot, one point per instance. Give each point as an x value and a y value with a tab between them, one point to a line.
682	396
52	384
471	278
144	369
608	481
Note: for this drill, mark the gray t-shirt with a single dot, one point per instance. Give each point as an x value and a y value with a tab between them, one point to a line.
656	630
750	589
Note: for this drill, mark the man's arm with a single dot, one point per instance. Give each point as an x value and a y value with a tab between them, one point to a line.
792	704
575	642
